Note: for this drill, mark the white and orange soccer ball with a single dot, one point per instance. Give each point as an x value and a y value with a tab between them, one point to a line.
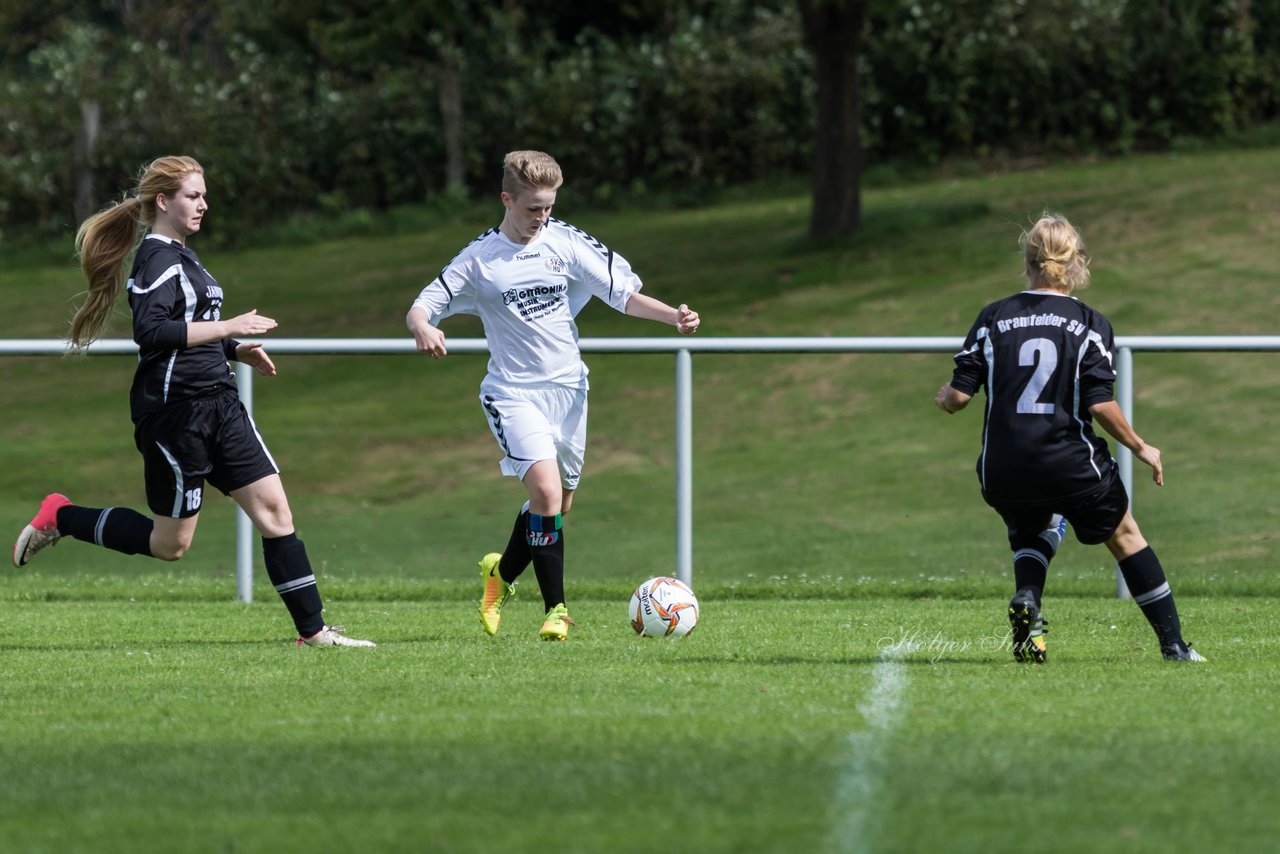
663	607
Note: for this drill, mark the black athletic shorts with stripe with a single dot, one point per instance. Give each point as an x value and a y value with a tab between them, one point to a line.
203	439
1094	515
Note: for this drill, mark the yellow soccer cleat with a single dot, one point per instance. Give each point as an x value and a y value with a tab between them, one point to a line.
496	593
1027	628
556	625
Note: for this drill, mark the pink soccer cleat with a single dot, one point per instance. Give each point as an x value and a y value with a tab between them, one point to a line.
43	530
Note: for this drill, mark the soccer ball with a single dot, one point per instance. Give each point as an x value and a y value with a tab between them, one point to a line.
663	607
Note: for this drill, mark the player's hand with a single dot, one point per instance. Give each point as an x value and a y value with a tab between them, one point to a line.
430	340
949	400
940	399
254	356
1150	455
687	320
251	323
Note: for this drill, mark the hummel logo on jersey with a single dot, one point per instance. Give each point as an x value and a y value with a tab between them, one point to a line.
528	256
540	539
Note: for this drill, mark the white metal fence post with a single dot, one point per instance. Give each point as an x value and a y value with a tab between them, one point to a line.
1124	456
244	527
684	466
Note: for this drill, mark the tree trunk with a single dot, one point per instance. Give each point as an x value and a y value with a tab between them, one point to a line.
833	33
86	202
455	175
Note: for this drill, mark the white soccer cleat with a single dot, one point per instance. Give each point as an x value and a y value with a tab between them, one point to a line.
1180	651
333	636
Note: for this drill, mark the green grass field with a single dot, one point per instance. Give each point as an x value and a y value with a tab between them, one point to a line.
836	515
784	725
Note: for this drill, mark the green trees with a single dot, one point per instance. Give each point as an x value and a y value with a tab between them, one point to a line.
307	105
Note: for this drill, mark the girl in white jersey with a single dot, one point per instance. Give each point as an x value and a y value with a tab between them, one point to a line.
526	280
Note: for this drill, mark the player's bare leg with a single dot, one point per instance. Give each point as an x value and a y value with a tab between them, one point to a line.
171	538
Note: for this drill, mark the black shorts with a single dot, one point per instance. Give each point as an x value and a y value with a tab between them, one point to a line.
1094	515
208	438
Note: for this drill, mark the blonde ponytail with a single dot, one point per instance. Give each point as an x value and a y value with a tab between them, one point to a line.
104	244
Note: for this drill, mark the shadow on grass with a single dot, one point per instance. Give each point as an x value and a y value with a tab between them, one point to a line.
118	644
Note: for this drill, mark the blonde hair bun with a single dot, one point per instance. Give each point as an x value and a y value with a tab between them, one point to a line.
1054	255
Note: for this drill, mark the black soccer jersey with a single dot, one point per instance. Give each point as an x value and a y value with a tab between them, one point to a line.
1044	359
169	289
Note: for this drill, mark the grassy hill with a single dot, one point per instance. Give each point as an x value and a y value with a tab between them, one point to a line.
813	474
838	695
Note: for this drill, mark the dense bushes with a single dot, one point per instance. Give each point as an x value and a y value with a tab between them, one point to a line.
293	112
1080	75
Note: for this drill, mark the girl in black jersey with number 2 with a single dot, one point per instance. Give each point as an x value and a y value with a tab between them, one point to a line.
189	424
1045	359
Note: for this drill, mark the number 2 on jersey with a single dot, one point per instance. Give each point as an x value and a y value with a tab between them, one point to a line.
1029	401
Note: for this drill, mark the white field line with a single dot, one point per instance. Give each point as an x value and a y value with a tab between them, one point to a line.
853	829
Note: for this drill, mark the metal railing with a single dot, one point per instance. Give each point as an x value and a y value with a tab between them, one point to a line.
683	348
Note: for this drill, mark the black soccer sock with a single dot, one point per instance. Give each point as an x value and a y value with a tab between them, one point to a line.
290	571
546	544
1031	569
1031	558
516	557
1146	580
117	528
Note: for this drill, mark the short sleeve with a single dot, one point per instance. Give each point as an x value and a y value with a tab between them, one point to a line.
971	362
452	292
602	273
1097	364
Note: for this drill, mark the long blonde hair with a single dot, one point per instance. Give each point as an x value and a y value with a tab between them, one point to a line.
1054	254
105	242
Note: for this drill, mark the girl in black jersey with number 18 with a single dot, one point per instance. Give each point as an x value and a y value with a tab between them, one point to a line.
189	424
1045	359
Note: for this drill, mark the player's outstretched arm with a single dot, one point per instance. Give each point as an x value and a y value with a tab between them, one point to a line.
430	339
683	318
249	323
949	400
1111	417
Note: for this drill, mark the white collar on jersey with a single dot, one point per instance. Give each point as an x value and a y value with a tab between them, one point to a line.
153	236
1049	292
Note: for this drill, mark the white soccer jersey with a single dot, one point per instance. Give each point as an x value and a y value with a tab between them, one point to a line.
527	296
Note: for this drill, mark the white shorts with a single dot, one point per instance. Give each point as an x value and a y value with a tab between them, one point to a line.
535	423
